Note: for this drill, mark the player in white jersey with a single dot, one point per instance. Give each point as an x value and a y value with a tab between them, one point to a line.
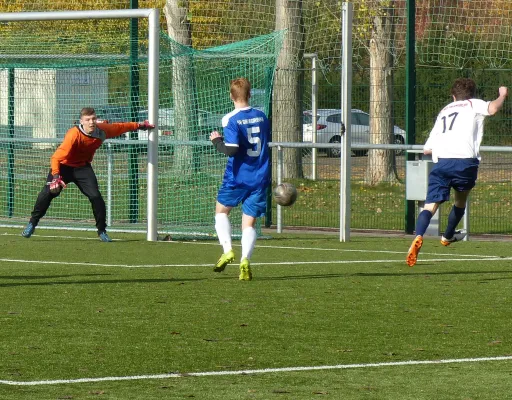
454	144
247	176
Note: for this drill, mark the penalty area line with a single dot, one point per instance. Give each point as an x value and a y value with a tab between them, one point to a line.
281	263
255	371
210	243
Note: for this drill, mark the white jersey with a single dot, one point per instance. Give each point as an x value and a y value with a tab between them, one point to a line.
458	130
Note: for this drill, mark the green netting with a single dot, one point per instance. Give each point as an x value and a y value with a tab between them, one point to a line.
46	77
453	38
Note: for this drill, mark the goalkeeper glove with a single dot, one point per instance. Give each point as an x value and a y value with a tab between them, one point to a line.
57	184
145	125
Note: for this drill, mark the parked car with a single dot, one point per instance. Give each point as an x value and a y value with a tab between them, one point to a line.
330	128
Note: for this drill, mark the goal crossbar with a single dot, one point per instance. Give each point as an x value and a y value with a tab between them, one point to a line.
68	15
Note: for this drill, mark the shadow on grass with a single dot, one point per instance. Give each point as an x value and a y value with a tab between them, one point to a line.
95	282
22	277
412	274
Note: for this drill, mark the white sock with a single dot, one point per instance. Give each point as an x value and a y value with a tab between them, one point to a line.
248	242
223	229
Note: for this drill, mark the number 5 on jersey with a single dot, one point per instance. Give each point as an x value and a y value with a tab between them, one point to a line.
255	130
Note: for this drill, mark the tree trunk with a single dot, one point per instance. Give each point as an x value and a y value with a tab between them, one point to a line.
286	107
381	163
183	86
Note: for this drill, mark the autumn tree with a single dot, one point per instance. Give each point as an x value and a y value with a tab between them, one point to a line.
185	110
287	121
377	26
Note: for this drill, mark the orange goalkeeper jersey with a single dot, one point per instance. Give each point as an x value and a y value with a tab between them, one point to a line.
78	147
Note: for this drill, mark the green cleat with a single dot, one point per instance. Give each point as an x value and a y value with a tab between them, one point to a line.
224	260
245	270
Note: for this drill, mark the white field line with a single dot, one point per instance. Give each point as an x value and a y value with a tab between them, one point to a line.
288	263
214	243
60	237
255	371
371	251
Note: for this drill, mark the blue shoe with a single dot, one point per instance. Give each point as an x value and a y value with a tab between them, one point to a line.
104	237
29	230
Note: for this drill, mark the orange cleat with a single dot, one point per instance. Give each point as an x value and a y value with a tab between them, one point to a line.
412	255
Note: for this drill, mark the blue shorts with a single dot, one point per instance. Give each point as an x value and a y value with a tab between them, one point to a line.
457	173
254	201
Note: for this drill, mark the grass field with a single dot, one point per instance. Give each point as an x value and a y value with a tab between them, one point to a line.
81	319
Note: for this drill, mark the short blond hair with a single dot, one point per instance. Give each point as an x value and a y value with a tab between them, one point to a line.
240	89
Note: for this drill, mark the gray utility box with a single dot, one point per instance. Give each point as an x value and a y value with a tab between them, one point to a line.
416	186
417	179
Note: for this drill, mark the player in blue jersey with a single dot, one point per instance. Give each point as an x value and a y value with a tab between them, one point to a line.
247	175
454	144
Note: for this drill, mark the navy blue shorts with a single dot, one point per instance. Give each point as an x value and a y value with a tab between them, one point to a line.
457	173
254	202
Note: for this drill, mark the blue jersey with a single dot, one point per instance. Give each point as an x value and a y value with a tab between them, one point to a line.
249	130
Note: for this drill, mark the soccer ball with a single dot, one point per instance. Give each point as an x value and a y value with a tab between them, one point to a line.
285	194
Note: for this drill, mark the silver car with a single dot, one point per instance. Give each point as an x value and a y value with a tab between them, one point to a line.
330	128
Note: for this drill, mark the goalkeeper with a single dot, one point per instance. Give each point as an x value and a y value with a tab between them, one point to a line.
71	162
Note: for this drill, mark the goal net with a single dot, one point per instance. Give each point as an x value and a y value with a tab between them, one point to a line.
49	70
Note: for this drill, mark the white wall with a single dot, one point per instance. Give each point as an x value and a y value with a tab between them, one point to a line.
49	100
76	89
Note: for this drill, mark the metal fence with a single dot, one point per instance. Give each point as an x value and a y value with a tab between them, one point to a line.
379	207
382	207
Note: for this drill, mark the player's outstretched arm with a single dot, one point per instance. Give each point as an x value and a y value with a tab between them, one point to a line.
118	128
496	105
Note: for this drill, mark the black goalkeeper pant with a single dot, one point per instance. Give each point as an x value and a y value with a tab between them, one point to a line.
85	179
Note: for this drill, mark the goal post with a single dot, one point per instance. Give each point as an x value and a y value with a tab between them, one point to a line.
152	15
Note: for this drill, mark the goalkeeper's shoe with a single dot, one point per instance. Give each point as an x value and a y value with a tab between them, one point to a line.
412	255
224	260
245	270
457	237
104	237
29	230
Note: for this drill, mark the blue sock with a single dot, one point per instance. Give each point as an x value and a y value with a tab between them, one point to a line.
453	220
423	222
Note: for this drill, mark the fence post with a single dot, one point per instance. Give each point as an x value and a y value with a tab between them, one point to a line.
314	111
346	108
279	180
10	152
110	176
466	220
133	158
410	101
